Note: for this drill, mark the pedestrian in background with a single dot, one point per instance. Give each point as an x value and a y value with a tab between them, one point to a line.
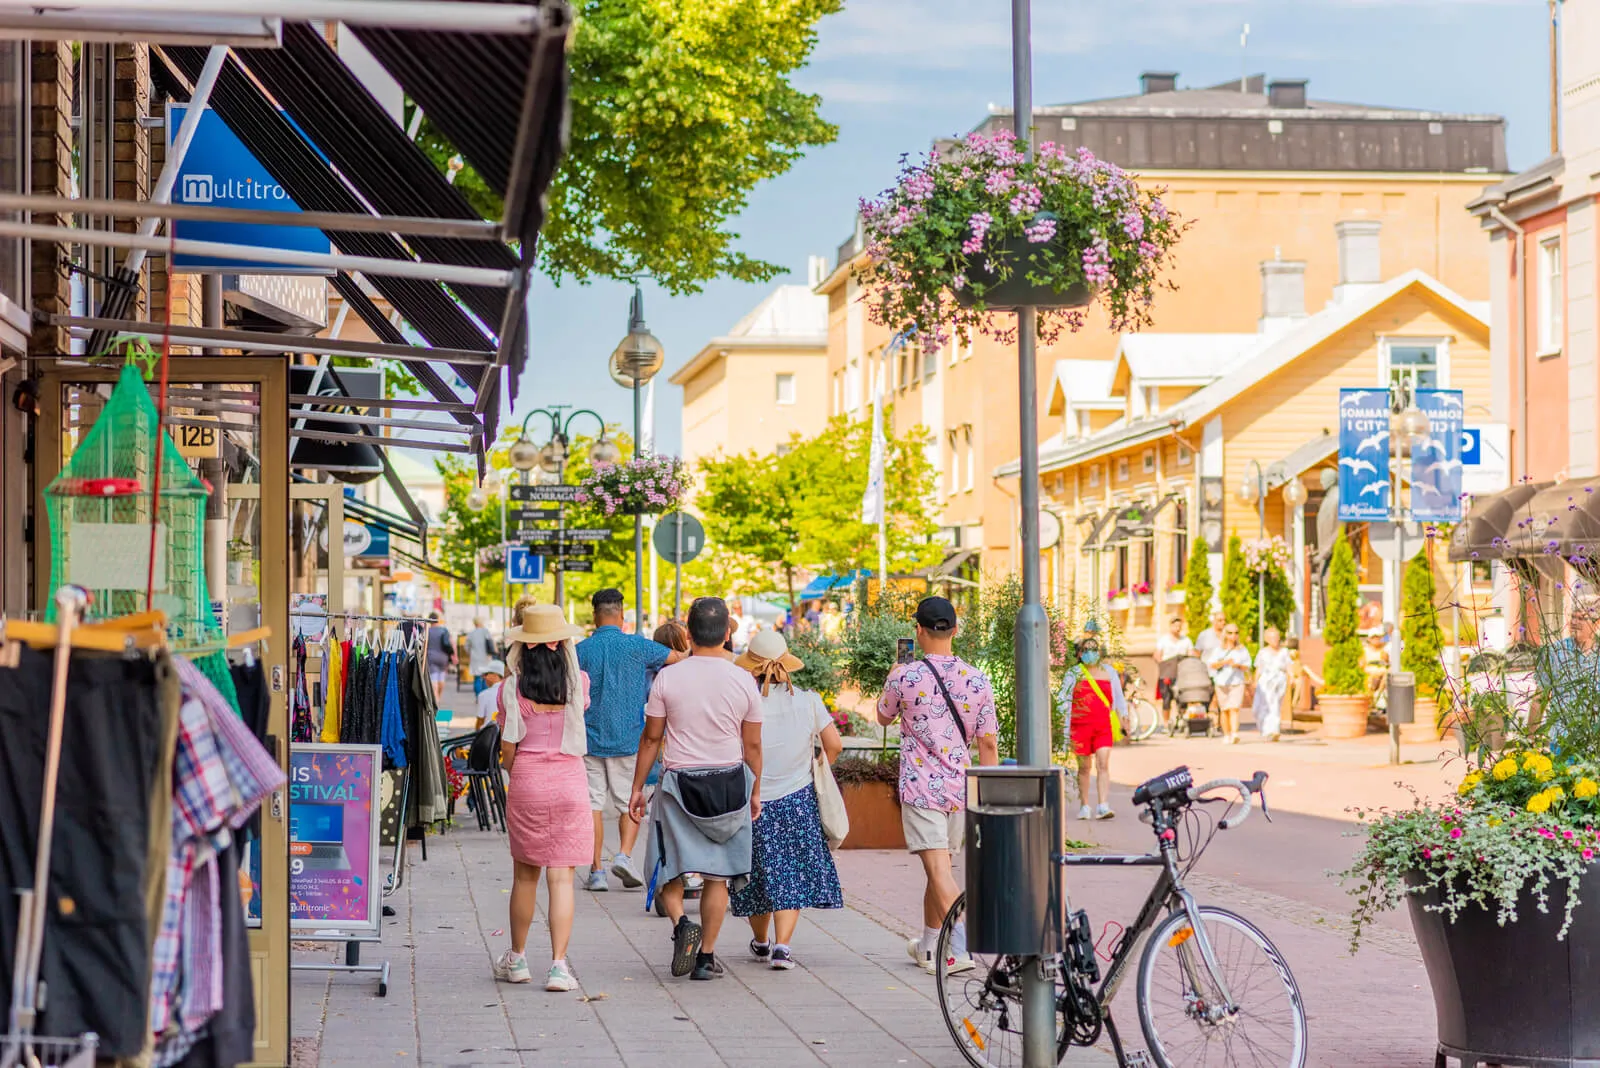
480	650
489	697
1092	694
620	667
1273	664
1303	682
1230	670
704	717
791	868
946	708
1210	639
1171	648
547	799
441	656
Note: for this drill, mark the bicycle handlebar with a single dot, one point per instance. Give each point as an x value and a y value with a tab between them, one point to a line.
1245	791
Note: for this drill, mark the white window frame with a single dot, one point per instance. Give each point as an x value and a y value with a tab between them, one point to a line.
1149	462
1551	297
1185	455
1123	469
1441	346
972	462
794	388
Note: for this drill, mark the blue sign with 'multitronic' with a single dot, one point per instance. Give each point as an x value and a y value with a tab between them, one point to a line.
219	171
1363	455
1436	462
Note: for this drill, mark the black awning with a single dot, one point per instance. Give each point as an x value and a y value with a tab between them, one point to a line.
501	100
1136	520
1483	534
1101	524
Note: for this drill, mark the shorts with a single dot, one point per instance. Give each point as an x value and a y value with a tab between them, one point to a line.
1230	698
1091	736
928	828
610	779
438	674
479	684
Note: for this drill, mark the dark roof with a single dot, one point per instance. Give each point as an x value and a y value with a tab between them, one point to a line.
1542	177
1221	128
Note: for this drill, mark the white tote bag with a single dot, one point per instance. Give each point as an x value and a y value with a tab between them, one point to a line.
830	802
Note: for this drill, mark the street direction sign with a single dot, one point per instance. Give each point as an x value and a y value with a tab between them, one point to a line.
588	534
537	537
543	493
534	510
679	537
522	565
572	565
580	551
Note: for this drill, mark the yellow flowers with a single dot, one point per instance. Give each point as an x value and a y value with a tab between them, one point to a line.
1584	789
1504	768
1539	802
1470	783
1543	767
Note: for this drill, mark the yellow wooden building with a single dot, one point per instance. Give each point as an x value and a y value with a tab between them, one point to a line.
1156	451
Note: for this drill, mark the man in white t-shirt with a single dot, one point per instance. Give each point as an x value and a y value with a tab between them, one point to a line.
1171	647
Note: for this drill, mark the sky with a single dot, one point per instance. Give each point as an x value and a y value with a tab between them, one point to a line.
896	74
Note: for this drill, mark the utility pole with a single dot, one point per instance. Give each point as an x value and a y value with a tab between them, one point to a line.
1555	77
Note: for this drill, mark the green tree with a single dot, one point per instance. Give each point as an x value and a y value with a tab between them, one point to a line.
1239	589
1341	670
678	111
801	509
1422	643
1197	589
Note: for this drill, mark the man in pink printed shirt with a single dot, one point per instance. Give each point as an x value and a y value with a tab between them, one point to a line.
927	696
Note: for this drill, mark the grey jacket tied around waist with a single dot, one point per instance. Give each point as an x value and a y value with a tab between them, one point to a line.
717	844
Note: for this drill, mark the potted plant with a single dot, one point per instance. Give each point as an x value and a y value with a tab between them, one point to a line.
976	226
1422	648
1142	595
644	485
870	785
1343	701
1176	591
1118	599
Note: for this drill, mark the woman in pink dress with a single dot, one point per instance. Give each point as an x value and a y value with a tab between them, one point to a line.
542	749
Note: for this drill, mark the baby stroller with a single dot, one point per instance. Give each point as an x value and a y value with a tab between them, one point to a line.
1193	689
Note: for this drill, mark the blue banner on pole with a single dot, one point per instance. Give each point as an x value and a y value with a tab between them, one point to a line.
1436	462
1363	455
219	171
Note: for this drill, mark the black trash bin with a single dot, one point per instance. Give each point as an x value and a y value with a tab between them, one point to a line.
1016	891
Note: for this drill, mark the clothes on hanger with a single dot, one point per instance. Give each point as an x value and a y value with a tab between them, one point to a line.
301	727
333	687
393	731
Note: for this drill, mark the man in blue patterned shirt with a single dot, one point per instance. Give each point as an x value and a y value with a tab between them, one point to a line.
619	666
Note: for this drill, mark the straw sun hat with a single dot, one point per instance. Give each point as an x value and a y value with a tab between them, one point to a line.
542	624
766	647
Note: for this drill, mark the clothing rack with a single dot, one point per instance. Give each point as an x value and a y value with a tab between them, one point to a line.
20	1045
331	616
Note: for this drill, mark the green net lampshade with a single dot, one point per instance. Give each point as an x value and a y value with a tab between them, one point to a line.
100	509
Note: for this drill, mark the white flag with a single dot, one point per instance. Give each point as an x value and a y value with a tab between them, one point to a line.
647	421
872	502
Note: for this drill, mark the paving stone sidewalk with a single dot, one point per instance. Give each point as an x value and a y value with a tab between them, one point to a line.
854	1000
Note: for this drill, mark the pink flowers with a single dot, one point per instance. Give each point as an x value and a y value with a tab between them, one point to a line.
647	484
978	225
1456	833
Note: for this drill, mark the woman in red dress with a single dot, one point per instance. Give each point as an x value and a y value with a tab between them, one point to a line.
1093	694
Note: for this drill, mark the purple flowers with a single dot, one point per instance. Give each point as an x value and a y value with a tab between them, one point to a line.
978	226
1041	230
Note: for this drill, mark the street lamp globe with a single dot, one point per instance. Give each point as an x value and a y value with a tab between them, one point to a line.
553	455
1249	489
1294	493
637	358
492	481
604	452
1416	426
524	455
477	499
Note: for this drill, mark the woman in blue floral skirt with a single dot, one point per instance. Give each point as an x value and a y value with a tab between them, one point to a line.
791	866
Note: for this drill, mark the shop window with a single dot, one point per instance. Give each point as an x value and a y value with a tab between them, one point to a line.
13	163
1180	542
1119	576
1551	297
1122	469
786	389
1416	363
1149	461
1185	456
1482	572
972	464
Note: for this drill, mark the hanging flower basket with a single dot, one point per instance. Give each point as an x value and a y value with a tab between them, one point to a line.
976	227
644	486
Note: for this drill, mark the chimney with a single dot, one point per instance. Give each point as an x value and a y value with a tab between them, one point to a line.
1158	81
1283	294
1286	93
816	270
1360	266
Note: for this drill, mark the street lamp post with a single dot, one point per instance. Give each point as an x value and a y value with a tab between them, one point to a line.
635	361
1255	490
1408	427
552	458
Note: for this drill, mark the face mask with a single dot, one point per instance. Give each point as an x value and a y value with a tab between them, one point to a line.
1089	657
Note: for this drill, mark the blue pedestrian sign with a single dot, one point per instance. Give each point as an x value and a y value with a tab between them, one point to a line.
523	566
1471	446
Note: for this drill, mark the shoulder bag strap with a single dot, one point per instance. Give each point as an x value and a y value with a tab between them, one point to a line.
955	713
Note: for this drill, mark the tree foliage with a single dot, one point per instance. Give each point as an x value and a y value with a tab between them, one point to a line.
1197	589
1422	642
782	513
1238	589
1341	670
678	111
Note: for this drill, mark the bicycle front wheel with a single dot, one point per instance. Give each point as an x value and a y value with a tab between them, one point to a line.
1185	1020
980	998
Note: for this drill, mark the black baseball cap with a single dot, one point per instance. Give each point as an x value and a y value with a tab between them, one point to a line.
936	613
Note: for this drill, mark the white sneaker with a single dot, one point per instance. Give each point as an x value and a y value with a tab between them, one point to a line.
1086	813
596	882
918	955
510	968
1104	813
952	965
622	867
559	980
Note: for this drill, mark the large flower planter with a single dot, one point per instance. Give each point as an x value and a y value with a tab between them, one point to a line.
1515	994
1425	727
874	811
1343	716
1119	604
1024	258
1143	600
1177	596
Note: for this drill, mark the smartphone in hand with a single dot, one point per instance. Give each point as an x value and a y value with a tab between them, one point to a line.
903	650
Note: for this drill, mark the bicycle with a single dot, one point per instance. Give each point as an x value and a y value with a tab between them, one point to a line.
1141	720
1199	962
